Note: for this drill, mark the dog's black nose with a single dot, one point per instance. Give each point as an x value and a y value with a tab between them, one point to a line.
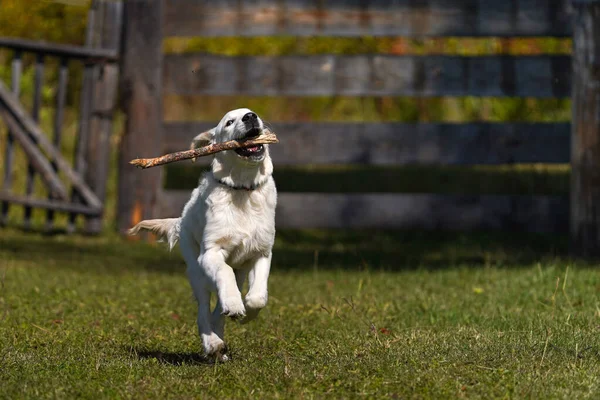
249	117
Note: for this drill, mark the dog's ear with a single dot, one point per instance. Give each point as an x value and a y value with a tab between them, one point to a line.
203	139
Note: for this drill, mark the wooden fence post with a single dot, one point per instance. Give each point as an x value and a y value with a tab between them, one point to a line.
585	134
105	82
141	95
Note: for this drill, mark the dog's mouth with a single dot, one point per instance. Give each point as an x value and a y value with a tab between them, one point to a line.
254	151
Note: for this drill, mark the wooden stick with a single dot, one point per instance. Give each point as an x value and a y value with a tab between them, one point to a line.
265	138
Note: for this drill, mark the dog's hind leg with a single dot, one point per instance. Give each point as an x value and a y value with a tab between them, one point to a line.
213	344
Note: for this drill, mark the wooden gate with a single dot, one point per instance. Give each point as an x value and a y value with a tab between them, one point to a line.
376	144
76	188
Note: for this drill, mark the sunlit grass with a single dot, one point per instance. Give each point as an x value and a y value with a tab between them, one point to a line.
351	314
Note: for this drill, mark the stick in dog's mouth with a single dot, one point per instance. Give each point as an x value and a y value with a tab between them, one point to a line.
253	144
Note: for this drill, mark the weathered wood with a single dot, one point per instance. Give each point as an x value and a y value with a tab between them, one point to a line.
141	94
35	155
61	97
10	105
60	50
53	205
85	111
407	211
9	154
108	34
585	153
367	75
86	98
38	87
367	18
402	143
35	115
266	138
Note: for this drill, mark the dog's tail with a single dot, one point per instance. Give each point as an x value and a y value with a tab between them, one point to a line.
167	228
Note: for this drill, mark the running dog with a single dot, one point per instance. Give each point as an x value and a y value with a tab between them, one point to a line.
227	229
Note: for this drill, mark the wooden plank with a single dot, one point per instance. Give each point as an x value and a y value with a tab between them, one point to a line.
141	97
585	153
367	75
53	205
61	97
408	211
104	103
10	105
401	143
9	154
367	18
60	50
35	115
85	110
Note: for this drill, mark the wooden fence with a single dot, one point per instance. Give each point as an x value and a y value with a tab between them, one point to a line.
77	188
151	74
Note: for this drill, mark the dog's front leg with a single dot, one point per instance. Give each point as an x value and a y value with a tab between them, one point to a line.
257	296
217	318
223	279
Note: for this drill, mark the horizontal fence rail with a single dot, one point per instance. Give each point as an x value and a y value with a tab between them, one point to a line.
407	211
402	143
60	50
368	75
50	204
367	18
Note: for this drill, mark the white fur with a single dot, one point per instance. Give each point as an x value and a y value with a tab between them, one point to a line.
226	234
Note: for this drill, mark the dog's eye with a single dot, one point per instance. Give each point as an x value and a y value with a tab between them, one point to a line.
229	122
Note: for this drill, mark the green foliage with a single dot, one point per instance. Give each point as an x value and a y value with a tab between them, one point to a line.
361	314
289	45
52	21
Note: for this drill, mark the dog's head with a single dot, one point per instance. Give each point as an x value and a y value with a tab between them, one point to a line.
235	125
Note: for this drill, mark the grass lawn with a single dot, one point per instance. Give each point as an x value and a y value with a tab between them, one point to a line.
350	315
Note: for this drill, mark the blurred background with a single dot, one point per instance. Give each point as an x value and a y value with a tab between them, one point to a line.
516	189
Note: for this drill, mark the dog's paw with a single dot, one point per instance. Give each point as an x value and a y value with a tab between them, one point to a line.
253	306
214	346
233	307
256	302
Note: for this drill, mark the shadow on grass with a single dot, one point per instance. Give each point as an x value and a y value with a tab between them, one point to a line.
302	250
169	358
108	253
401	250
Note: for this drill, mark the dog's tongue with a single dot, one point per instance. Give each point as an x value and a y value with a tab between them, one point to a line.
253	148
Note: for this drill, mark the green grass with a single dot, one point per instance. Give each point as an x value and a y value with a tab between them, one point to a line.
350	315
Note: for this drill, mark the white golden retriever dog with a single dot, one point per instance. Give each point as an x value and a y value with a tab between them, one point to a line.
227	229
